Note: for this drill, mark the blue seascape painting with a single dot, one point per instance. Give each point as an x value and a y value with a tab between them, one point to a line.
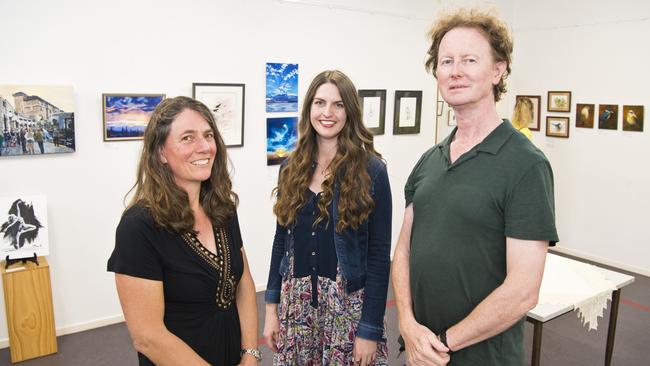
281	87
281	138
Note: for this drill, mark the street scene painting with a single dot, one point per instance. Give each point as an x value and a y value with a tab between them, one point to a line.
23	227
281	138
127	115
281	87
36	120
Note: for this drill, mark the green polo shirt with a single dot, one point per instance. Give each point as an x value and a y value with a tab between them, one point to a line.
463	212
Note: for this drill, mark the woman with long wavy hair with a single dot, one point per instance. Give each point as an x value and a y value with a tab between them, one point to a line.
180	268
328	279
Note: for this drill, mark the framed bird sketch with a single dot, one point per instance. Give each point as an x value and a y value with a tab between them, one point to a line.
557	126
23	227
373	104
226	101
559	101
633	118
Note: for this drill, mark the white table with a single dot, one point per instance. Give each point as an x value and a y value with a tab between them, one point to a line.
545	312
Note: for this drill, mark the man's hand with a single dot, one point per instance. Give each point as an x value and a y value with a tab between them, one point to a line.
423	347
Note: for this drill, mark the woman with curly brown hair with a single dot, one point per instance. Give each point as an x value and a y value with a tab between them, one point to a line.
180	268
331	252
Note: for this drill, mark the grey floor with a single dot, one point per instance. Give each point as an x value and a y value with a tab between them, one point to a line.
565	340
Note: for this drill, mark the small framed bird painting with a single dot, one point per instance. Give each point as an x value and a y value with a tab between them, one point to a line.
633	118
608	116
557	126
559	101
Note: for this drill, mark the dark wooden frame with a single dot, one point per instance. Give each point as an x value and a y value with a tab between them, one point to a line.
568	126
594	114
381	93
226	86
399	94
537	118
548	102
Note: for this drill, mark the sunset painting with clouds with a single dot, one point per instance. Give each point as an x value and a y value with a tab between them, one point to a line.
127	115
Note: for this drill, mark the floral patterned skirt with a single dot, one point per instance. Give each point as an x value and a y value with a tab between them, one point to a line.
324	335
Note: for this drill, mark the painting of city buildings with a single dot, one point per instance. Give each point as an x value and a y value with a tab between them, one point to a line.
127	115
36	120
281	87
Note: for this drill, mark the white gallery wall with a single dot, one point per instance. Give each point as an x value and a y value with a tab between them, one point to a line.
163	47
598	50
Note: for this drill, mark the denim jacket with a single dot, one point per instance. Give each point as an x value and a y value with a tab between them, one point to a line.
363	254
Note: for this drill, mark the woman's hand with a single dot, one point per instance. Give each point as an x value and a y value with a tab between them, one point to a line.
271	326
364	351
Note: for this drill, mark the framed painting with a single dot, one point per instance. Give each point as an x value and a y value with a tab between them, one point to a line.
608	116
36	120
585	115
557	126
559	101
281	138
281	87
24	228
127	115
373	105
407	113
536	100
633	118
226	102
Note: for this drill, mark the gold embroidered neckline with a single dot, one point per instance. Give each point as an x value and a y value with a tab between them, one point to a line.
221	261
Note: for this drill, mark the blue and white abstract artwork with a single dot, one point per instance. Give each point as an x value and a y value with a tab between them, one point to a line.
281	138
281	87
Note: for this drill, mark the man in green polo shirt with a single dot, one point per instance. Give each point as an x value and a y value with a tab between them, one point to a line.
479	213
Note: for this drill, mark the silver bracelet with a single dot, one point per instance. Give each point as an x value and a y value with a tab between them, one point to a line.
253	352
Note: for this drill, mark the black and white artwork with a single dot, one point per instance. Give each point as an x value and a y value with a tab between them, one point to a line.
23	227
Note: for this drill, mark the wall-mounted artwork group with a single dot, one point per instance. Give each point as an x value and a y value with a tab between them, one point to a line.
605	116
406	115
36	120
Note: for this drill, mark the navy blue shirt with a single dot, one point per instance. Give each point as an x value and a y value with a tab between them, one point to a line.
314	250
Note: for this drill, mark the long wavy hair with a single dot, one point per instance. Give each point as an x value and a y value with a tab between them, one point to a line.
348	168
155	187
523	113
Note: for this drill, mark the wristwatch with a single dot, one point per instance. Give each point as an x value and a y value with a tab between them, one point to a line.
253	352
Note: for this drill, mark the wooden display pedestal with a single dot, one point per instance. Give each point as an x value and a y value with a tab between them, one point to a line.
30	316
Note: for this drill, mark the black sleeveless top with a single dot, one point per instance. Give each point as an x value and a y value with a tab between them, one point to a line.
199	286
